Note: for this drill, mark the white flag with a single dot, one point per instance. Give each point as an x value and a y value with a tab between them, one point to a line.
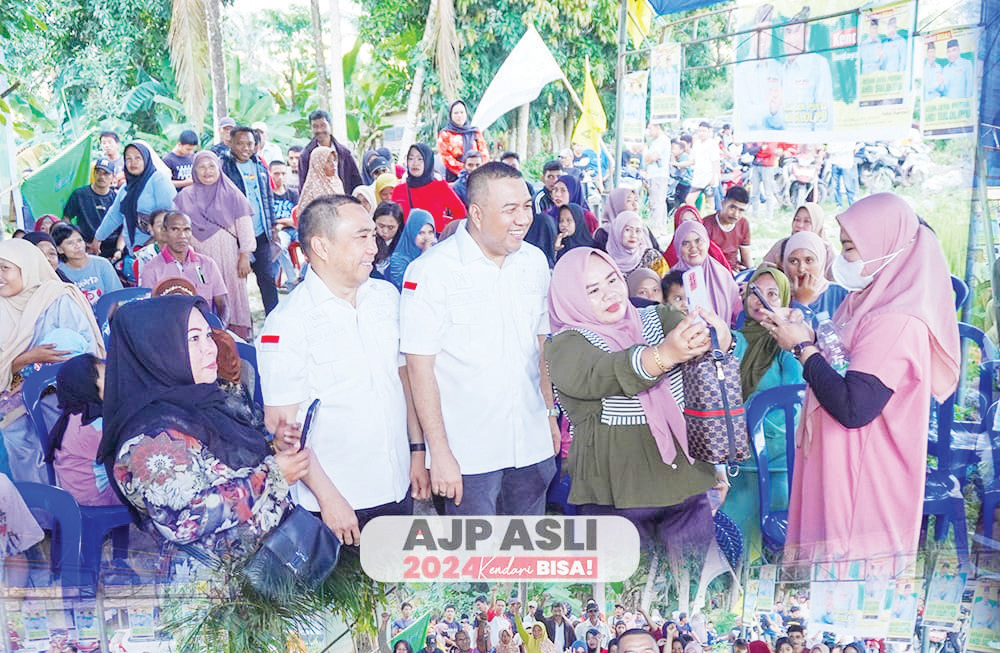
523	75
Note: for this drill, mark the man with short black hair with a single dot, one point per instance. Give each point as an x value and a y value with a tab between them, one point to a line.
405	621
294	153
285	201
448	627
637	640
180	160
559	629
245	169
372	465
471	161
593	621
111	147
87	206
474	318
797	638
730	230
347	167
512	159
542	201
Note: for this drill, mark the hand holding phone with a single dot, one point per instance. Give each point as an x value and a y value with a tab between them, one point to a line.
310	416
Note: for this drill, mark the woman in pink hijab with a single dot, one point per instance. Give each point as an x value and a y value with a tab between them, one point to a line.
691	246
684	213
616	386
860	460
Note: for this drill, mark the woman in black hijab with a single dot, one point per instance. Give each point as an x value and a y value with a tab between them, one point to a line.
190	468
458	138
423	191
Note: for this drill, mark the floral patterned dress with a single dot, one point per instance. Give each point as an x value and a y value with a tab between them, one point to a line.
188	496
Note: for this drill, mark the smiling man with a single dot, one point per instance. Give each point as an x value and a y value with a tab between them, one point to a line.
473	320
336	338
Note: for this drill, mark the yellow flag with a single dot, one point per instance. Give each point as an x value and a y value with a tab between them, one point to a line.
640	17
594	121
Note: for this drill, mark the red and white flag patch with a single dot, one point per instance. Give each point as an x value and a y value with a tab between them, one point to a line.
269	342
409	285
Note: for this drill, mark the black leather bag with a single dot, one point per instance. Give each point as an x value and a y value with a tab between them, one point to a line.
713	408
298	555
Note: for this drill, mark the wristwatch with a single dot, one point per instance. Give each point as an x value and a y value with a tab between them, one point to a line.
797	349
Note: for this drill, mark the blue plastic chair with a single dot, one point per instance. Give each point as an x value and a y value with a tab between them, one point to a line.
991	487
31	393
784	398
98	520
215	321
115	298
961	292
68	526
943	487
744	275
248	353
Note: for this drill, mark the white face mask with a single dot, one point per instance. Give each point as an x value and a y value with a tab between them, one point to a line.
848	274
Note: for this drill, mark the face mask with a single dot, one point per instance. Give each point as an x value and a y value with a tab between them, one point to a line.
848	274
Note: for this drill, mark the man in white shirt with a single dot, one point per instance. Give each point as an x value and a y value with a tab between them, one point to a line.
336	338
474	317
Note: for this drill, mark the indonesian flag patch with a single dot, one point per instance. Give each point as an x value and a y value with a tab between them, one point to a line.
269	342
410	285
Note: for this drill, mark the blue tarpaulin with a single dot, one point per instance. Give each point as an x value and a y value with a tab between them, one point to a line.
664	7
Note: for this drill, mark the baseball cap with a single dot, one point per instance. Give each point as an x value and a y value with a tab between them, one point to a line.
227	122
259	125
105	165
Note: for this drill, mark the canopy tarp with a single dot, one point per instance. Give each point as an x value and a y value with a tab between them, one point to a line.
664	7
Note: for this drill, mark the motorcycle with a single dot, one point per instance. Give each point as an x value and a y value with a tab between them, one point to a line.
877	167
804	176
912	164
736	173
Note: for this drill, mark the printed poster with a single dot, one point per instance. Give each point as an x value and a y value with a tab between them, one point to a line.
665	83
140	620
876	602
634	108
984	630
903	612
765	592
750	600
949	82
796	77
86	624
884	47
944	595
36	621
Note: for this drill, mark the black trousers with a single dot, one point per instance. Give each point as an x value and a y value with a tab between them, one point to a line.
263	269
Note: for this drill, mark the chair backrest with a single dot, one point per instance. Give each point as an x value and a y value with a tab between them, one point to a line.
63	509
784	398
744	275
988	378
249	354
214	321
107	301
31	393
940	447
993	436
969	332
961	292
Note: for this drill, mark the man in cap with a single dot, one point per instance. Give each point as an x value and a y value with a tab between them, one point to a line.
87	205
225	129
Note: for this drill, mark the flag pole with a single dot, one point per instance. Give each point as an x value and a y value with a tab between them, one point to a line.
572	93
620	74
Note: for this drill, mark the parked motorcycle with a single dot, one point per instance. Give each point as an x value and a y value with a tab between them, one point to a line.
877	167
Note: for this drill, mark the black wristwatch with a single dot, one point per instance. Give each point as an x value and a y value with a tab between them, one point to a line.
797	349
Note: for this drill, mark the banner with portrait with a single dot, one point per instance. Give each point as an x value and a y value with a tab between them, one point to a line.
903	613
665	83
985	624
633	107
884	54
948	81
796	77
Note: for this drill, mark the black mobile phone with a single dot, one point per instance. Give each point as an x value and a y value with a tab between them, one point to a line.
756	291
310	416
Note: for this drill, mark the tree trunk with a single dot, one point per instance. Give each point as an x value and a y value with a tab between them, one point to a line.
322	87
646	601
220	101
338	101
417	88
522	131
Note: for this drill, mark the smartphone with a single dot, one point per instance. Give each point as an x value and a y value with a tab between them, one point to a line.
757	293
695	291
310	416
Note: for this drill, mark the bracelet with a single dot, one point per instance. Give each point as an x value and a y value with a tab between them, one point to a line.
659	361
417	446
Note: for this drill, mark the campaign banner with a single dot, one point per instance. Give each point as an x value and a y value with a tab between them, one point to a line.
796	77
750	599
140	620
884	54
86	623
36	620
984	629
450	549
875	605
949	83
944	594
903	611
634	107
765	591
665	83
834	606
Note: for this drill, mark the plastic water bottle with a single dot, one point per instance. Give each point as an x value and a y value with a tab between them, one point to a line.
830	344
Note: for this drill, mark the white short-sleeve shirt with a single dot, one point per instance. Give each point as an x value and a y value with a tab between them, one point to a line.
482	322
315	344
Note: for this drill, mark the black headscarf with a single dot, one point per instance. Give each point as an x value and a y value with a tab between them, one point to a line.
581	237
373	159
385	249
467	131
35	237
76	389
149	384
428	175
134	185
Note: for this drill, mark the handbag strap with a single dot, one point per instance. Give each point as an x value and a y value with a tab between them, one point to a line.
717	358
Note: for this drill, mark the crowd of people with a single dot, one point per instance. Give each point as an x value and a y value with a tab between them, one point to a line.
473	340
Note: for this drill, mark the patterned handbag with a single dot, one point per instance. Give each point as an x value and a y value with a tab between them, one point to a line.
713	408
